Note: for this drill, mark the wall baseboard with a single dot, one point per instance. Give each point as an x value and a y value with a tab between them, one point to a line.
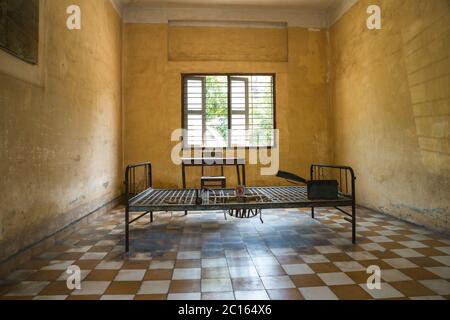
13	262
416	222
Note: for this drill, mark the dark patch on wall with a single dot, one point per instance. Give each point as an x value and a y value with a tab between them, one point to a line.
19	28
77	200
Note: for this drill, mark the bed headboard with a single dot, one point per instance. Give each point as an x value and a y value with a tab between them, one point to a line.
138	178
343	174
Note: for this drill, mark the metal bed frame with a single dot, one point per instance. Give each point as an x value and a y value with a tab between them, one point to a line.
141	197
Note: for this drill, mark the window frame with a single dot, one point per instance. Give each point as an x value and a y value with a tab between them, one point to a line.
186	76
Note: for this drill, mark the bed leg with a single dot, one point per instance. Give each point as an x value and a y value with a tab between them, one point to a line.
151	216
312	213
354	224
127	229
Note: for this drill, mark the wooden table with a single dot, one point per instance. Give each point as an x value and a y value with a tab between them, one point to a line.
239	163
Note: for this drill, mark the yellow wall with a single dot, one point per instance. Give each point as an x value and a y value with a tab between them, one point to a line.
227	44
60	149
152	89
385	112
391	107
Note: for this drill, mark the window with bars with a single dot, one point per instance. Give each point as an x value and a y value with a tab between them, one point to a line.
228	111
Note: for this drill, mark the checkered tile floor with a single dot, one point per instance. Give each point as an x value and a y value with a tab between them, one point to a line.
204	256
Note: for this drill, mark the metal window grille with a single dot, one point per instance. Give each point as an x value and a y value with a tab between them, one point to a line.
229	110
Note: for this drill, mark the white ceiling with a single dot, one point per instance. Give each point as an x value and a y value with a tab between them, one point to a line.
304	13
298	4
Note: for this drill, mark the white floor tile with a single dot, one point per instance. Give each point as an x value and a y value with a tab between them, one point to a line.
387	233
349	266
79	249
361	255
92	288
418	237
130	275
51	298
187	274
327	249
188	255
335	279
367	224
407	253
400	263
343	241
216	285
118	297
139	256
265	260
386	291
413	244
223	296
106	243
318	293
283	251
83	274
372	247
162	264
296	269
93	256
236	253
428	298
443	259
251	295
393	275
380	239
314	258
443	272
214	263
185	296
279	282
440	286
243	272
154	287
109	265
445	250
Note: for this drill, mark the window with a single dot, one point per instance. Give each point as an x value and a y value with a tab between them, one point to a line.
19	29
228	111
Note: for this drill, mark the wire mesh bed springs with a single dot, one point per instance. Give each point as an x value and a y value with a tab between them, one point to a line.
244	214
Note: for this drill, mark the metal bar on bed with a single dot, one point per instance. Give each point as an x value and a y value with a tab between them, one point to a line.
348	171
133	191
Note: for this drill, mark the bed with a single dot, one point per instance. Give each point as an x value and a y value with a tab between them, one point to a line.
141	198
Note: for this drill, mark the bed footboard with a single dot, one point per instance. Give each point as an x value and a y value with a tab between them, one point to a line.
138	178
347	187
